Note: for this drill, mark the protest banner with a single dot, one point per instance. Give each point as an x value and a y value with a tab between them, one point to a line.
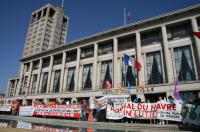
72	111
191	114
117	100
145	111
5	107
26	111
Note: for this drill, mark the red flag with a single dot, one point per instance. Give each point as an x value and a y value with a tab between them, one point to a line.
197	34
137	65
108	85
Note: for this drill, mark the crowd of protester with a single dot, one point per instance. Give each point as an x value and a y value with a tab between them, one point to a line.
98	114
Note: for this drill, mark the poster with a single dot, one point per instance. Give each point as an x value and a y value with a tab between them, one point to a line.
72	111
26	111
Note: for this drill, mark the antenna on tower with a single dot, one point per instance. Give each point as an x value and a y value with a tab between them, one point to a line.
62	3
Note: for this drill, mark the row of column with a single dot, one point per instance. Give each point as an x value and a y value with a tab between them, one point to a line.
116	80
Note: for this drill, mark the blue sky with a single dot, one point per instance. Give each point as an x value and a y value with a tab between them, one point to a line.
86	17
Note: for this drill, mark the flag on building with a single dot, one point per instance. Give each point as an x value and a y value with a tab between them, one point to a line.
108	84
176	90
130	61
197	34
128	15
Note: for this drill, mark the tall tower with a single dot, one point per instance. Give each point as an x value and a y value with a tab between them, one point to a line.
47	29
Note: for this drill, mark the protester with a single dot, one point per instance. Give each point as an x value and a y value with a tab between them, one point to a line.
170	99
161	101
84	110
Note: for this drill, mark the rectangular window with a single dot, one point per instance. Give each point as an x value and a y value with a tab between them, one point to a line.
56	82
154	68
71	56
27	66
179	31
57	59
25	80
184	63
151	38
128	75
45	62
106	73
105	48
87	52
33	87
44	82
126	43
87	77
71	79
36	65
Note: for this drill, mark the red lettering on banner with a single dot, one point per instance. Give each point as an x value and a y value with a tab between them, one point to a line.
158	107
163	106
153	114
173	107
129	106
145	108
153	107
139	106
127	112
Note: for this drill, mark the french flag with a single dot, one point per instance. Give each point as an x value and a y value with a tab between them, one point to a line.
130	61
128	15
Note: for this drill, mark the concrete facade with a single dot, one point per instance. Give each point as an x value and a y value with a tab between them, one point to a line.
168	37
47	30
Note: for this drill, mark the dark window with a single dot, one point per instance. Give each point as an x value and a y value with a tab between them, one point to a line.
149	38
25	80
106	73
27	67
71	56
57	59
87	52
39	15
71	79
179	31
44	82
126	43
87	77
51	12
36	65
33	87
106	47
184	63
33	18
56	83
45	62
154	68
44	12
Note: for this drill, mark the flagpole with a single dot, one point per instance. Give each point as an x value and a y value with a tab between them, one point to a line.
62	3
124	16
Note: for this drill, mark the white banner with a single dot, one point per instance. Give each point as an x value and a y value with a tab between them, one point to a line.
5	107
26	111
145	111
117	100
